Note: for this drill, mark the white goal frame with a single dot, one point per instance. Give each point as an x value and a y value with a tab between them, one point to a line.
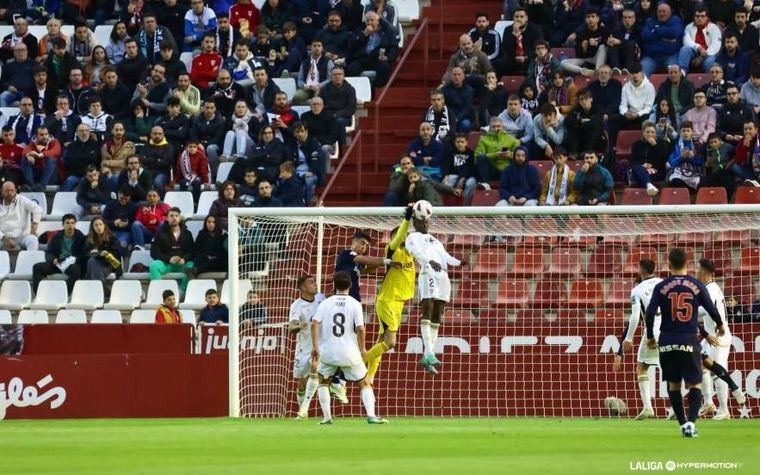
319	213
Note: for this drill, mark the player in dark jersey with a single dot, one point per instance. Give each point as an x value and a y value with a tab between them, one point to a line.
355	261
679	297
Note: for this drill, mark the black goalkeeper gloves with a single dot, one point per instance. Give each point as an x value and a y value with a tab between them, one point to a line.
408	212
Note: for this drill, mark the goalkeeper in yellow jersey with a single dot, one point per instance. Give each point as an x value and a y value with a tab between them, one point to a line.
396	289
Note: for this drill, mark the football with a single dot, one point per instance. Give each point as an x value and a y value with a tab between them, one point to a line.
423	210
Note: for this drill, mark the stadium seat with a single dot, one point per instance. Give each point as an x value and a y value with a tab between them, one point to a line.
51	295
512	293
182	200
204	204
749	261
188	316
612	314
244	285
84	226
367	291
223	171
15	294
625	140
747	195
195	295
138	257
143	316
657	79
409	10
102	34
499	27
586	293
472	138
631	263
39	198
675	196
547	225
560	52
636	196
187	59
619	293
5	264
462	241
194	227
490	262
30	317
740	287
472	294
733	238
64	202
543	166
565	262
71	316
695	238
25	261
651	226
87	295
528	261
125	295
485	197
512	83
156	289
106	316
711	196
363	89
698	79
5	317
550	293
721	256
286	85
605	261
581	82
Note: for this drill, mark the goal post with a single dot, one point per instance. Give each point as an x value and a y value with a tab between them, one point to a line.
534	318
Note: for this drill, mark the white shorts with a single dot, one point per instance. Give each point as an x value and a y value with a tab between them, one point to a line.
301	365
646	355
719	354
434	285
351	373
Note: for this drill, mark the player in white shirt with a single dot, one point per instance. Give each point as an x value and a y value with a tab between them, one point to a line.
433	284
299	323
646	357
337	341
715	350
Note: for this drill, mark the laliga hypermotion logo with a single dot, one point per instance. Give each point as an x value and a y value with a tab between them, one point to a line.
16	395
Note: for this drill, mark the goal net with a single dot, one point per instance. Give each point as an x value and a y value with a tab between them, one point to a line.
535	318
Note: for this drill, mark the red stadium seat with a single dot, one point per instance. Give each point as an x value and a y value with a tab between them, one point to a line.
657	79
713	195
575	165
625	141
490	262
605	261
741	287
582	232
550	293
619	293
749	262
699	79
472	139
747	195
546	225
631	263
512	293
616	229
367	290
611	313
695	238
543	166
636	196
512	83
649	227
472	294
559	52
485	197
465	241
722	257
528	261
675	196
565	262
581	82
586	293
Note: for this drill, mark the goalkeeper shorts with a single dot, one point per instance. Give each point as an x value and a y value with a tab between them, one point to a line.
389	314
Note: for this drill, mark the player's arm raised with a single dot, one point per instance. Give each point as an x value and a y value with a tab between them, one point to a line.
403	229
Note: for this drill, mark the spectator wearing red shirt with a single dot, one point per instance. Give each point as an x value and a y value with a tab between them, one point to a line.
206	65
10	156
245	10
40	162
192	169
149	219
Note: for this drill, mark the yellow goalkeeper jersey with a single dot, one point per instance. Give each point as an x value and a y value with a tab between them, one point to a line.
398	284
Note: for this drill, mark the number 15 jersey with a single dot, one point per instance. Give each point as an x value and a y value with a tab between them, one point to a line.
339	316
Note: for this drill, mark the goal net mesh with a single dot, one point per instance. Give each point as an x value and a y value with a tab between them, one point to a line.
534	320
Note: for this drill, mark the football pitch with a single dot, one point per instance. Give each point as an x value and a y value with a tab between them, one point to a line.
350	445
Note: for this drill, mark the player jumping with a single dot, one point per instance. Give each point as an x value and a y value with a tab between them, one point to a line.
299	322
646	357
337	340
397	287
434	286
679	297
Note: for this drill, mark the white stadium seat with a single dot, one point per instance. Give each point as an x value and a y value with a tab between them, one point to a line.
87	295
195	295
182	200
188	316
244	285
187	58
363	88
102	34
142	257
223	171
204	203
125	295
501	26
71	316
106	316
68	29
51	295
5	317
407	10
64	202
15	294
286	85
194	226
300	109
155	291
143	316
38	197
26	317
25	261
84	227
5	264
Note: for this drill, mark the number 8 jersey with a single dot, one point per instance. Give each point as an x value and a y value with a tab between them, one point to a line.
339	316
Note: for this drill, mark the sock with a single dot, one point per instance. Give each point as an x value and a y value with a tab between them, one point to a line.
695	398
721	389
311	387
427	336
646	398
374	355
434	333
707	392
324	402
677	402
368	399
300	396
722	373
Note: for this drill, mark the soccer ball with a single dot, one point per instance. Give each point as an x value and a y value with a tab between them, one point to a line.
423	210
616	407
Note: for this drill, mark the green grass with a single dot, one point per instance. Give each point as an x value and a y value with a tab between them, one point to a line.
406	445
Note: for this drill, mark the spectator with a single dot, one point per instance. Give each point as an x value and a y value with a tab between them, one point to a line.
248	190
172	249
93	193
607	92
227	199
209	128
253	312
517	45
244	10
635	104
137	125
150	36
11	154
113	93
40	163
225	93
265	48
211	248
340	98
472	61
19	218
131	68
78	91
25	122
593	182
116	46
661	40
701	42
745	152
171	62
20	35
665	120
750	92
323	125
290	187
686	163
167	312
459	169
420	189
139	180
542	68
493	98
426	153
81	154
149	219
158	157
133	16
238	133
65	254
703	118
678	89
718	157
623	48
262	93
557	186
460	99
44	46
519	184
120	214
104	252
648	158
549	130
715	89
313	74
59	64
171	14
174	123
292	50
485	38
269	154
733	116
733	60
155	92
43	93
373	47
335	38
281	116
114	153
200	21
561	93
437	115
494	151
568	18
193	170
265	198
746	34
206	65
590	45
584	126
82	43
225	36
215	312
517	121
242	63
189	96
93	70
309	159
63	123
274	15
98	121
17	78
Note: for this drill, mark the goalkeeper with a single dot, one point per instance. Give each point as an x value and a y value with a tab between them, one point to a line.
397	287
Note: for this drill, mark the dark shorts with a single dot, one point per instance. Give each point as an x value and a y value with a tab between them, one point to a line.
681	361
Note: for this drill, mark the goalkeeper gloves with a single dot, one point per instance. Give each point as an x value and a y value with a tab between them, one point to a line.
408	213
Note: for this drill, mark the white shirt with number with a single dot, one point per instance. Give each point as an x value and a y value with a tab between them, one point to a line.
640	297
339	316
302	311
